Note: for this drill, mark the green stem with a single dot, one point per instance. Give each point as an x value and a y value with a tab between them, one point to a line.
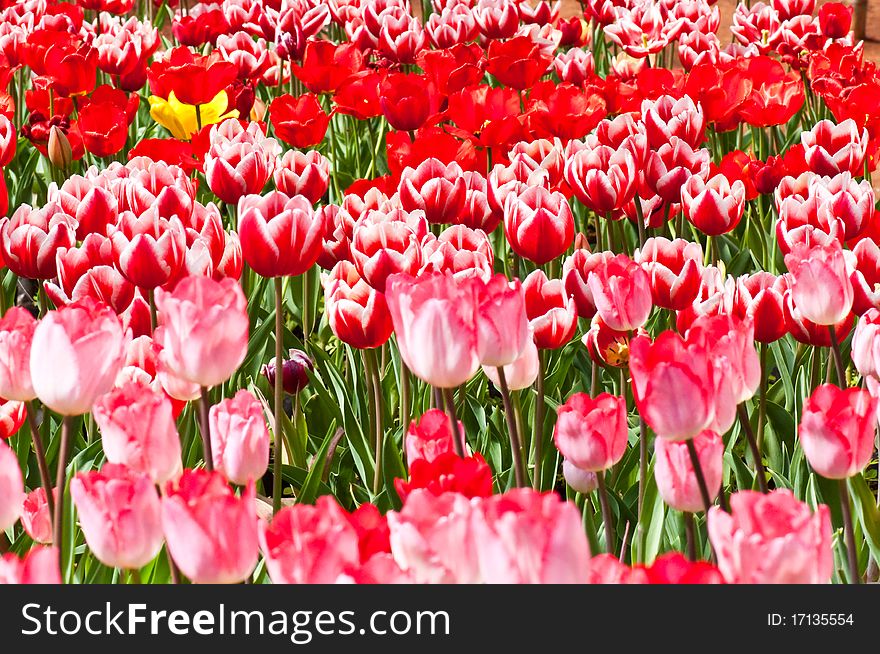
278	439
449	400
691	535
698	471
204	406
539	421
40	451
606	512
60	483
852	553
838	360
760	473
378	441
515	445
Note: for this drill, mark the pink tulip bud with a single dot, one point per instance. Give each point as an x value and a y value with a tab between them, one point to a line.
430	436
211	533
240	438
582	481
676	480
520	374
621	290
837	430
16	333
591	433
821	288
138	431
35	517
11	487
38	566
119	515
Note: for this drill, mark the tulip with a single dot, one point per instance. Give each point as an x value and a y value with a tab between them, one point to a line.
138	431
148	250
30	239
240	161
581	481
326	66
524	536
280	235
591	433
673	268
672	165
463	251
576	271
429	437
835	19
502	323
671	385
714	207
76	353
401	37
674	568
519	374
433	187
38	566
837	430
602	178
193	78
239	438
434	318
608	569
299	122
11	487
183	120
865	275
407	100
830	149
772	539
423	533
866	344
357	314
36	517
469	476
119	513
551	312
674	472
821	288
294	371
621	290
518	62
309	544
204	330
302	173
381	248
538	224
16	333
667	116
760	297
606	346
211	533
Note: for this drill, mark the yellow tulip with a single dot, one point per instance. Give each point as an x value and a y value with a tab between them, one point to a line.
180	118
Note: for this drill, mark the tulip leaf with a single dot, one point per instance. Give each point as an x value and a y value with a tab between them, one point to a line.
866	513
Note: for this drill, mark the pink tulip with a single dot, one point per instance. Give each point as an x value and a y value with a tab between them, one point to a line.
309	544
591	433
551	311
672	385
16	333
204	329
11	487
138	431
821	288
35	517
866	344
772	539
673	268
714	207
436	188
119	513
668	116
303	173
674	472
434	318
432	538
576	270
830	149
581	481
520	374
76	354
527	537
502	324
730	343
38	566
240	438
211	533
621	290
429	437
837	430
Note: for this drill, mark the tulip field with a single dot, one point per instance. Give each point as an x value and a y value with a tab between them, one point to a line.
466	291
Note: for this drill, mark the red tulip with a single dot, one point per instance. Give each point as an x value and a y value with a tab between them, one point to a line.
714	207
11	487
538	224
302	173
138	431
831	149
676	481
407	100
280	235
194	79
119	515
104	120
7	141
621	291
469	476
357	314
38	566
437	189
671	385
148	250
667	116
460	250
772	539
30	239
835	19
309	544
602	178
672	165
72	69
496	19
401	37
454	25
325	65
239	438
16	333
576	270
551	311
454	68
591	433
760	297
606	346
434	319
821	288
211	533
200	29
674	568
385	244
76	353
299	122
240	160
12	417
518	62
674	269
94	207
203	329
837	430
